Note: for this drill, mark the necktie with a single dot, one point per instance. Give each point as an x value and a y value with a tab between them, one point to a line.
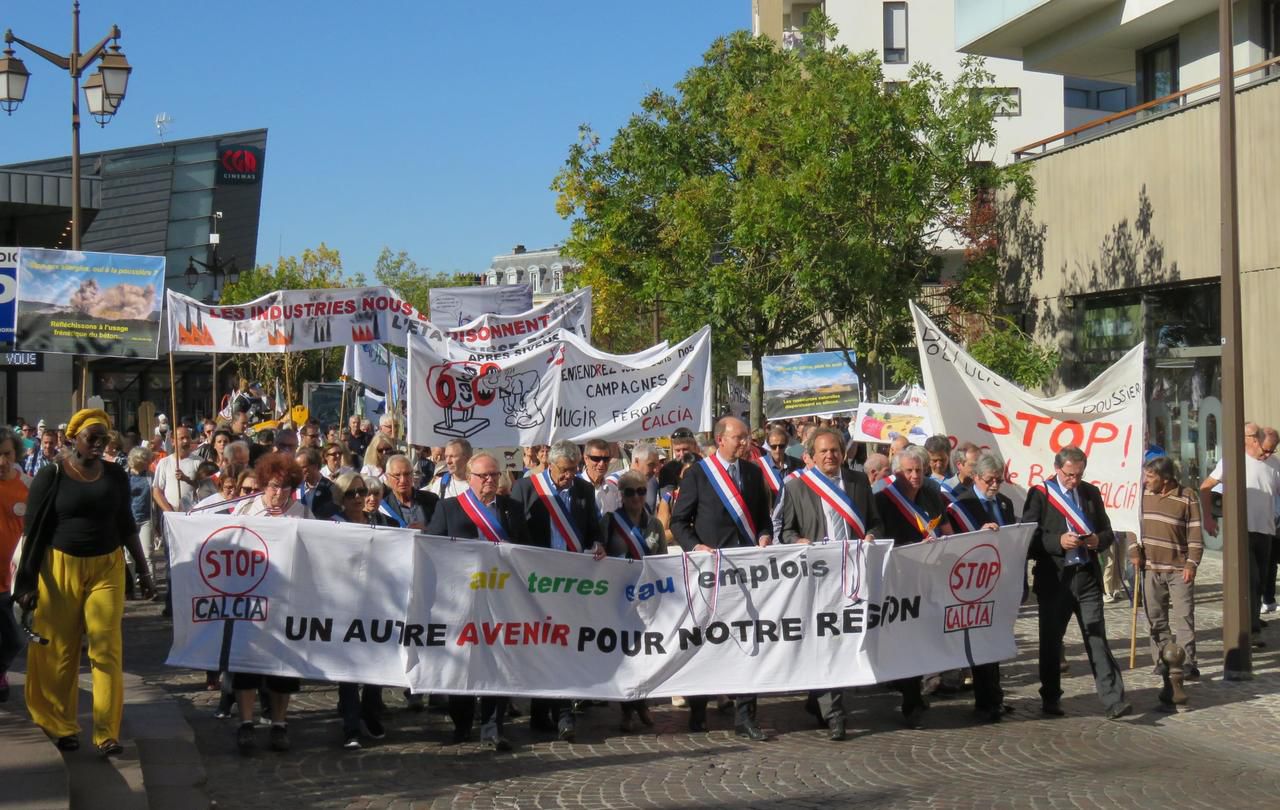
733	475
993	510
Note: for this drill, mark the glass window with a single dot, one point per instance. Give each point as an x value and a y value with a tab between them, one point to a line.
1111	325
195	176
188	233
133	163
1007	101
895	33
196	152
1113	100
1159	72
1181	317
1074	97
191	204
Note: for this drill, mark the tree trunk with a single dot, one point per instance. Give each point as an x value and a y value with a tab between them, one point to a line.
757	389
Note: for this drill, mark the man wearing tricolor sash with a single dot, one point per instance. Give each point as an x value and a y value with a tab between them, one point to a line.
1071	528
913	510
829	502
480	513
560	511
723	504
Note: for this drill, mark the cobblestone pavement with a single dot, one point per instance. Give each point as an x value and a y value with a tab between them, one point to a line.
1219	751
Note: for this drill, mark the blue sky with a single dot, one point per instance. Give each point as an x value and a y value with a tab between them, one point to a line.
429	127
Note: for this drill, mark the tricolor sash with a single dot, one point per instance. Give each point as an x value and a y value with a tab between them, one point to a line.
961	516
631	536
910	511
794	474
486	522
1076	521
612	478
831	494
729	496
947	492
559	520
771	475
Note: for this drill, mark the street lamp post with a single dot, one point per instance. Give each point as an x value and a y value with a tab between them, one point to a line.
103	91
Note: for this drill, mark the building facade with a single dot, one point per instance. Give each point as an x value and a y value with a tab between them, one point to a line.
1121	243
544	270
164	199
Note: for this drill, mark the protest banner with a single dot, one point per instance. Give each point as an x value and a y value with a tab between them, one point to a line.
375	366
8	292
451	307
884	423
95	304
970	402
808	384
349	603
562	390
497	333
293	320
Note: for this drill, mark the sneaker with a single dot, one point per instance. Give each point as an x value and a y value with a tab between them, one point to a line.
1269	607
279	737
373	727
245	737
4	688
1108	598
221	713
678	702
351	742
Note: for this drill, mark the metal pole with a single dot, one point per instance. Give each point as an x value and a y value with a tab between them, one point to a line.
1236	621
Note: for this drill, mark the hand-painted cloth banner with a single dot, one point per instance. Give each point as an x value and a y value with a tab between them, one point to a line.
563	390
451	307
808	384
884	423
293	320
348	603
970	402
500	333
96	304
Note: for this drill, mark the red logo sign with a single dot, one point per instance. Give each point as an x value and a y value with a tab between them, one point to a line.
240	161
975	574
234	560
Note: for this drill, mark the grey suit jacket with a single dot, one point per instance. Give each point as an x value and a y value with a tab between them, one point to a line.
803	516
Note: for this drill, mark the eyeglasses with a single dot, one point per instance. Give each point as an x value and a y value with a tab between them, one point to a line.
357	493
600	459
992	481
631	492
778	446
491	476
399	474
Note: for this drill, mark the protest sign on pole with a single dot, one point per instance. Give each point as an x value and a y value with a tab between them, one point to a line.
8	292
451	307
87	303
293	320
970	402
808	384
562	390
349	603
884	423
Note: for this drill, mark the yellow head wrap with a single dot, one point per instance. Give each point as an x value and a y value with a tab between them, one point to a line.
86	417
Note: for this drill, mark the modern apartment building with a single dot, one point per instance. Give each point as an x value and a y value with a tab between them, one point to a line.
909	32
1121	243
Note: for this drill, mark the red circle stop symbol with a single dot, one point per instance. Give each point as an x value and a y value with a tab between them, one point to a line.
975	574
233	560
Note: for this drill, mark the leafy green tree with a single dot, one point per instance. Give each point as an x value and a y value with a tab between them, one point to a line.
788	198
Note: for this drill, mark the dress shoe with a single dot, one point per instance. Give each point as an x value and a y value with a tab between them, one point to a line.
642	714
697	726
914	718
750	731
697	718
498	743
567	732
986	715
1052	708
1117	710
836	731
461	735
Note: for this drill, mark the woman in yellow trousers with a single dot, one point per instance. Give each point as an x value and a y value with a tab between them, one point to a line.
72	570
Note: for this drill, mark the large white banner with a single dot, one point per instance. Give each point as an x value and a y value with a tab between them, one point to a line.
970	402
340	602
497	333
561	390
293	320
454	306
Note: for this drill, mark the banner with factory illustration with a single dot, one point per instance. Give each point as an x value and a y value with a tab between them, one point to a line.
88	303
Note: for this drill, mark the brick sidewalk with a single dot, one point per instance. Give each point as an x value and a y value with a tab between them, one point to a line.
1219	751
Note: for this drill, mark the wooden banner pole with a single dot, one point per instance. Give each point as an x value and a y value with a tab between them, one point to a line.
84	382
213	407
1133	625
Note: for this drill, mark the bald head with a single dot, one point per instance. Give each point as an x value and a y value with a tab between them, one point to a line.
732	437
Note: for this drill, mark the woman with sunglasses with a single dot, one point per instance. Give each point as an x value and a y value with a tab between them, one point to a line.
335	461
79	520
381	448
352	493
633	532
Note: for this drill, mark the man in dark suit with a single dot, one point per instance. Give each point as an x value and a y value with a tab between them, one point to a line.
912	509
1068	579
314	491
984	506
453	518
407	507
558	488
807	516
700	521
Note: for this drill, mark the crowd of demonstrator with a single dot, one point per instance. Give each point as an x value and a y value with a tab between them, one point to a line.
84	493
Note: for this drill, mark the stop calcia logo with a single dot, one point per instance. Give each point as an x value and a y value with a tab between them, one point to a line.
973	578
233	561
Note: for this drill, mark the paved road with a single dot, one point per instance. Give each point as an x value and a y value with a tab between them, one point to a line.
1220	752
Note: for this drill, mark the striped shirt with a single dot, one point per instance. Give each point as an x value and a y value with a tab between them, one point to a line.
1171	530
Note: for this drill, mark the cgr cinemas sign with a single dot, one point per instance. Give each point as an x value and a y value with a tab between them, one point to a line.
239	165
